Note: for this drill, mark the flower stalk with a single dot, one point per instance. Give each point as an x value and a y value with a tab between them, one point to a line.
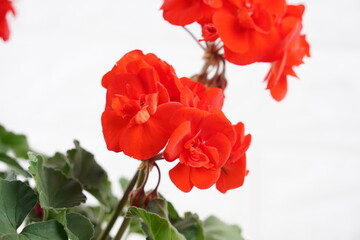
119	207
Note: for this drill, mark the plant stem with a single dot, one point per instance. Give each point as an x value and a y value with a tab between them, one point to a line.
122	229
192	35
119	207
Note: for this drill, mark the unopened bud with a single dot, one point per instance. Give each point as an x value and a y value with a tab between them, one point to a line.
137	197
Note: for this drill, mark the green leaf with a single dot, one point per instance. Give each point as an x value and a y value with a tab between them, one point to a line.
16	201
159	207
58	162
3	147
50	230
12	163
76	226
3	175
135	226
191	227
124	182
173	214
16	142
80	226
91	175
215	229
95	214
55	189
155	227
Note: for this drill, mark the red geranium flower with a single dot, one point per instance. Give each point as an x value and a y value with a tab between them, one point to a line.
202	142
138	105
247	29
5	8
296	48
234	171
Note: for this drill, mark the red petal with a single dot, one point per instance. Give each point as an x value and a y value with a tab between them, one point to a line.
204	178
217	123
113	127
180	176
223	146
144	141
177	140
231	34
189	114
182	12
232	175
213	100
278	92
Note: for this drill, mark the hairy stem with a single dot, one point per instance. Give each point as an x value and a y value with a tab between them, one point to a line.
122	228
119	207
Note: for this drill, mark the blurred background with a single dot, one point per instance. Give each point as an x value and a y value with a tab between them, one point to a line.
304	161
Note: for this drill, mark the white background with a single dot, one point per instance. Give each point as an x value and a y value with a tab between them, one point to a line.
304	161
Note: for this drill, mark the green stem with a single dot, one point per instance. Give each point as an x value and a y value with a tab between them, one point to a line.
122	229
119	207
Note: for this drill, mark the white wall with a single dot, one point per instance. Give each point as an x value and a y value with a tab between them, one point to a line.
304	162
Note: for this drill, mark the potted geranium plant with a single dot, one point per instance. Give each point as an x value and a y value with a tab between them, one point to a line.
153	114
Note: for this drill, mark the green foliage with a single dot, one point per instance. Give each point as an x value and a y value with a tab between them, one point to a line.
15	142
215	229
190	226
12	163
17	199
59	184
80	164
55	189
91	175
154	226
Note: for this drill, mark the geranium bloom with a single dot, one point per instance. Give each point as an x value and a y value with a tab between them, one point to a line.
234	171
138	105
5	8
247	30
202	142
296	48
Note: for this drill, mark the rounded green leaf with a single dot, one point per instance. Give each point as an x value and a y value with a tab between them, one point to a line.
50	230
16	201
215	229
154	226
90	174
55	189
79	226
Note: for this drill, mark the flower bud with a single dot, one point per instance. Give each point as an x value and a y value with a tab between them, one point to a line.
137	197
39	212
152	195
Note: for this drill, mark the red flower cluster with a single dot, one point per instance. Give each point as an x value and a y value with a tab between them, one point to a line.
5	8
251	31
149	108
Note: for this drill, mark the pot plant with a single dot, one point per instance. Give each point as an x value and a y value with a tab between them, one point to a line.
153	115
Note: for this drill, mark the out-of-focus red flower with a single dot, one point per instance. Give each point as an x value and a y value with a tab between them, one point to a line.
194	94
5	8
202	142
247	29
234	171
184	12
138	105
296	48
